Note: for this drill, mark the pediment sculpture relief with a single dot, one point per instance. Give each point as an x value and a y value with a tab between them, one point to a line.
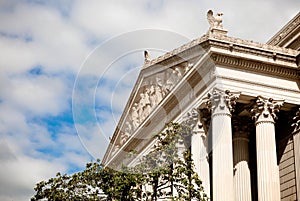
153	90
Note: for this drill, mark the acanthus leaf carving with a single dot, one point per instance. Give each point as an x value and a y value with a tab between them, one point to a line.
192	118
220	101
265	109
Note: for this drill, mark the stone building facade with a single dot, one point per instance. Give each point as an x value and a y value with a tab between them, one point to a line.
245	98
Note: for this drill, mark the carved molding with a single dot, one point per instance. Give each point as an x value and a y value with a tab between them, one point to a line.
265	109
296	120
261	46
257	67
221	102
176	51
285	31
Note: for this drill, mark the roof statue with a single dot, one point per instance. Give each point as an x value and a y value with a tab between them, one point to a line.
147	56
214	21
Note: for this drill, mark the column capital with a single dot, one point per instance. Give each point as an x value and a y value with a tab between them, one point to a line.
265	109
191	119
221	102
296	121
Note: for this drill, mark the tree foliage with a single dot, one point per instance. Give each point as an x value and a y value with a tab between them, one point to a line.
166	172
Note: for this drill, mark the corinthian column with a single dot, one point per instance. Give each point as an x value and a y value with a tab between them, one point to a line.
200	157
267	169
242	177
221	104
199	145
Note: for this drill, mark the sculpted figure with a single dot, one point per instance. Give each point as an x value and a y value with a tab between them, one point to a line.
147	107
126	134
188	67
179	72
128	129
115	149
158	95
135	116
152	96
141	106
170	81
146	56
214	22
123	139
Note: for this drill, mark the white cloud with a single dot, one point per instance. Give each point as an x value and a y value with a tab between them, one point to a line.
38	95
93	138
20	173
107	18
54	42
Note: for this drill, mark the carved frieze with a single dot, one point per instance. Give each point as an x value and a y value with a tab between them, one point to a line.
153	89
265	109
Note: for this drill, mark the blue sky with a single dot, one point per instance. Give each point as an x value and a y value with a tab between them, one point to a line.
57	113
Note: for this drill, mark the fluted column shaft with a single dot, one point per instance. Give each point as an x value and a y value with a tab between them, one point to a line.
267	168
242	177
268	181
222	156
200	158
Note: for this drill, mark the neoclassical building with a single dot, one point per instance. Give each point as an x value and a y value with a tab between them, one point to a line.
244	100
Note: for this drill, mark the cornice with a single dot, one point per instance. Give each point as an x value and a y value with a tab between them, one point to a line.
285	31
226	42
255	45
176	51
252	65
